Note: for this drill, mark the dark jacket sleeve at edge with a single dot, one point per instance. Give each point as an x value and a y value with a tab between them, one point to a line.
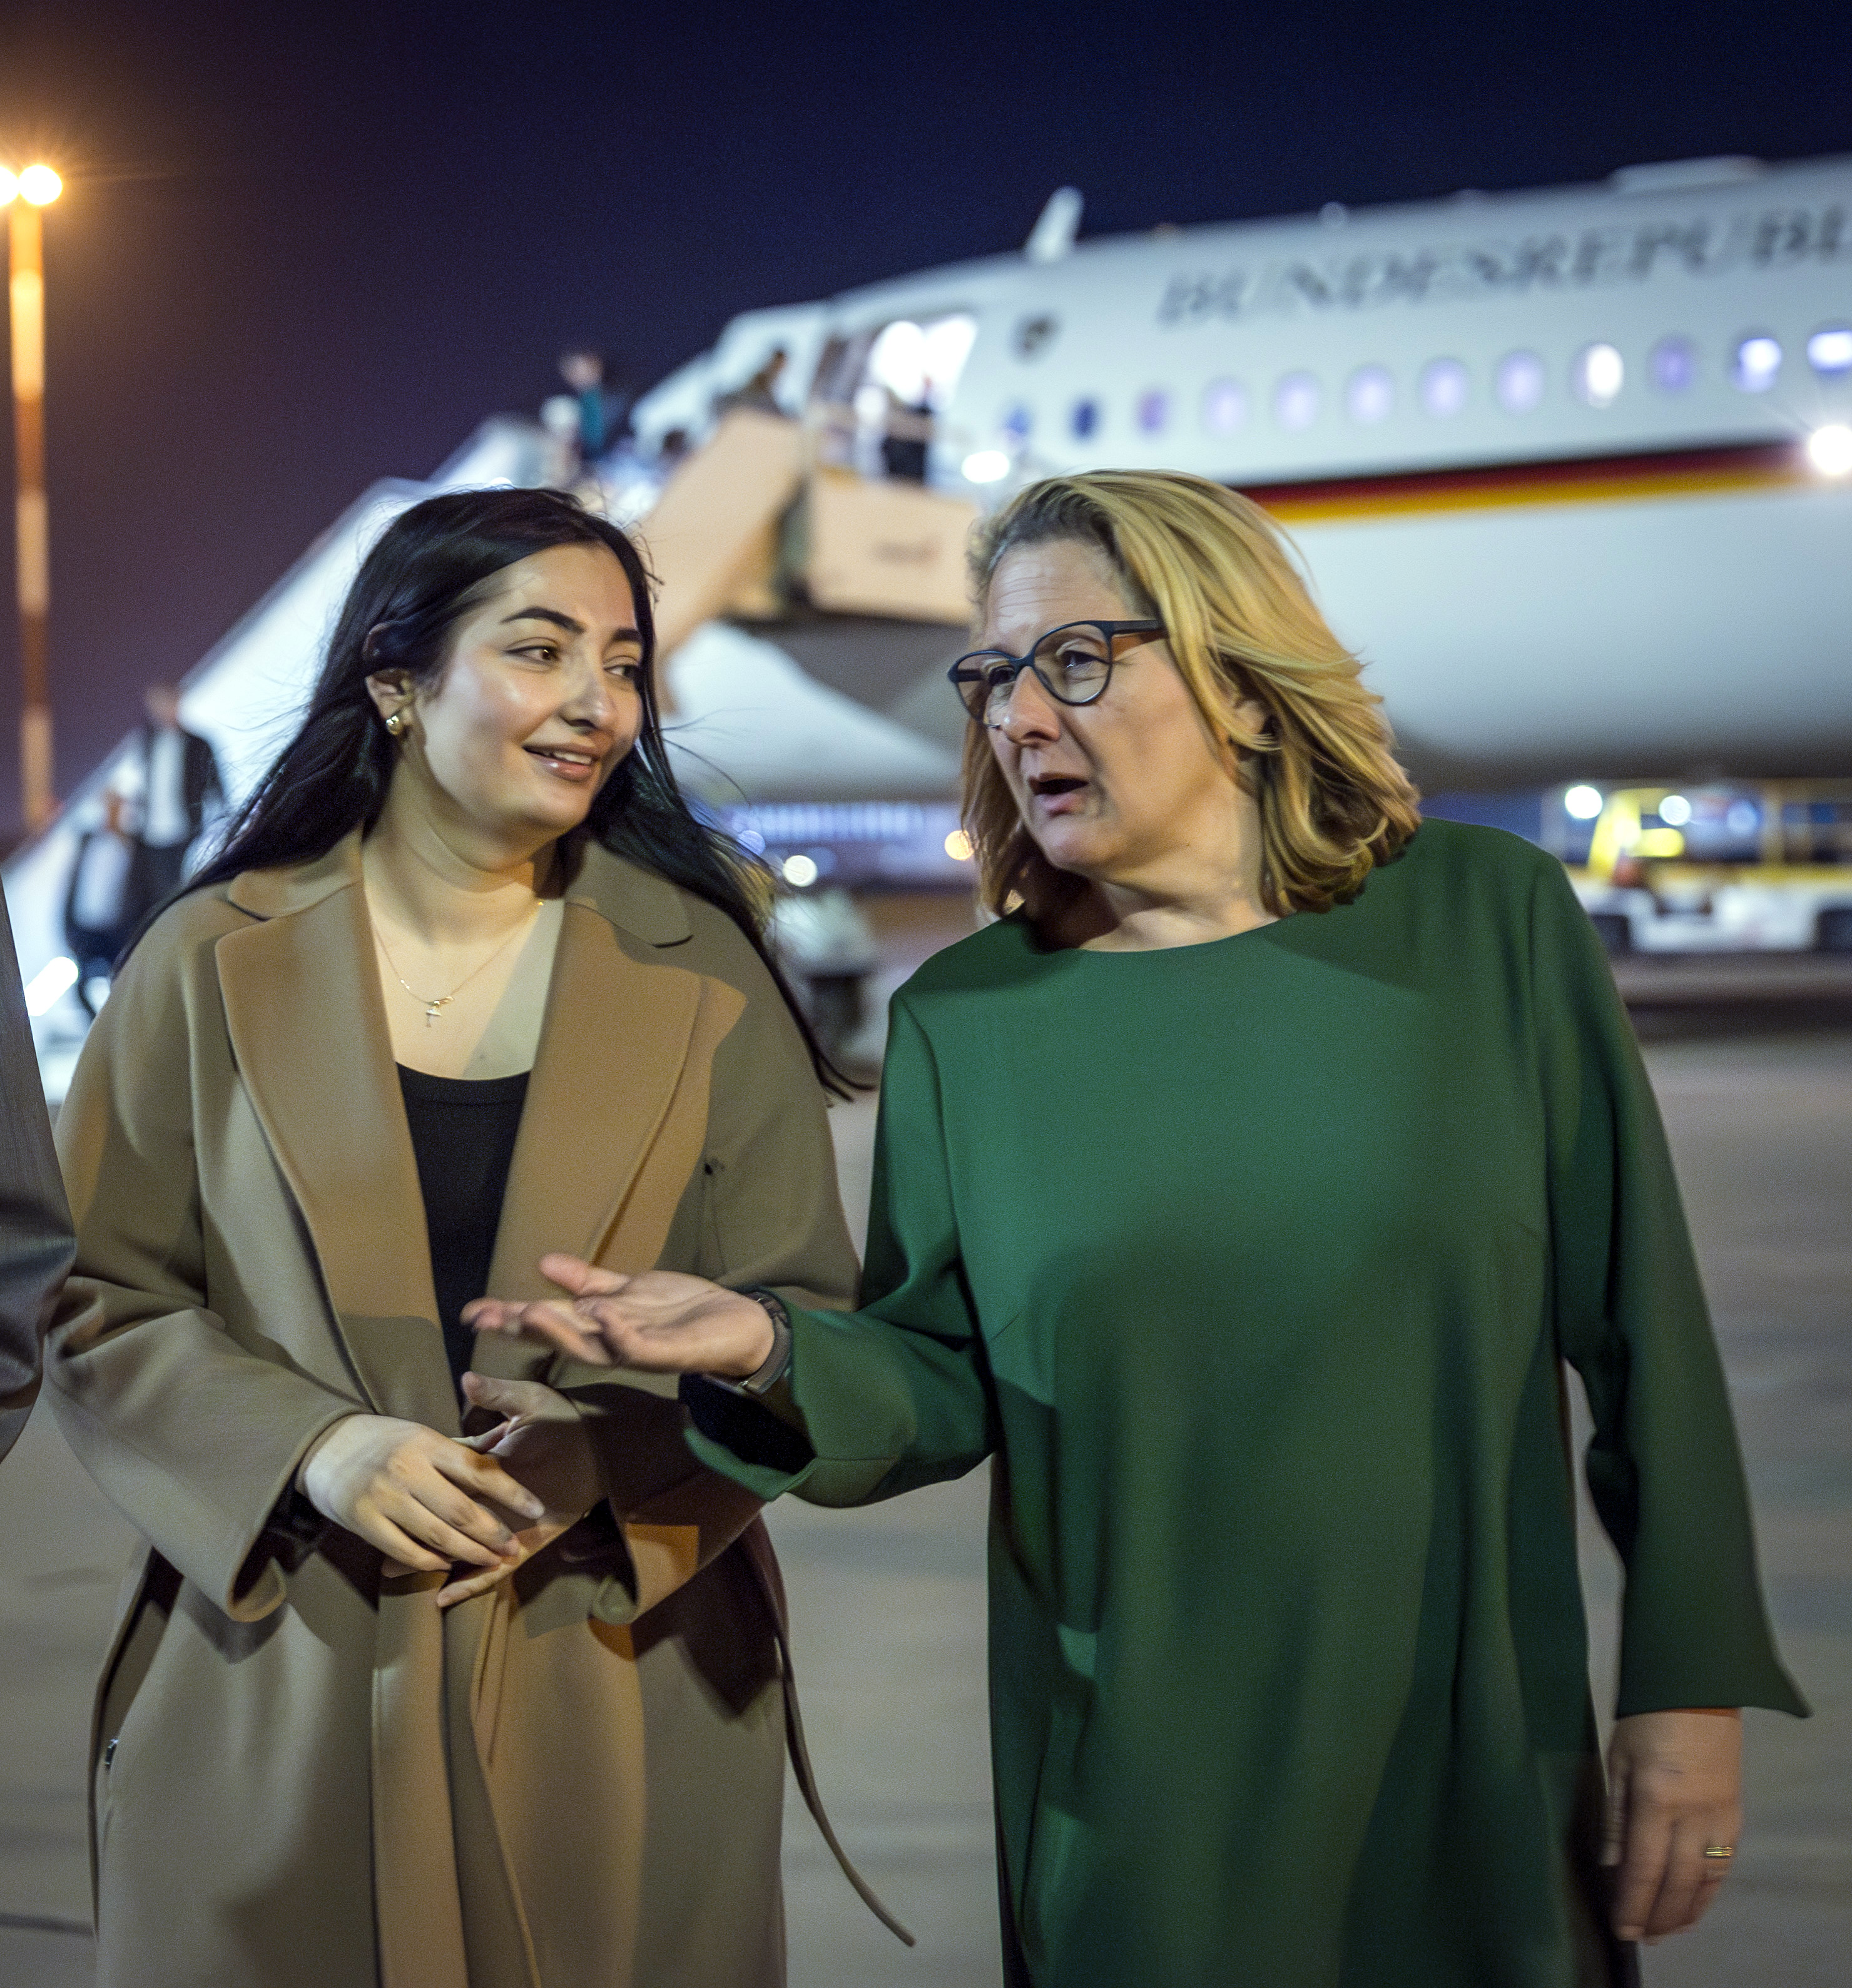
36	1238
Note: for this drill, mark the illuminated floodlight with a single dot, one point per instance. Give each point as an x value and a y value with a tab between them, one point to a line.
49	985
1518	382
1830	349
800	871
1756	363
987	466
1443	387
958	846
1598	375
1583	804
1830	449
1370	395
40	185
1674	810
9	187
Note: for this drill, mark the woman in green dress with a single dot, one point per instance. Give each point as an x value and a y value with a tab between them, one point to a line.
1241	1191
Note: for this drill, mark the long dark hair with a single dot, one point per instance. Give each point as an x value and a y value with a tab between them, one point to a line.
429	567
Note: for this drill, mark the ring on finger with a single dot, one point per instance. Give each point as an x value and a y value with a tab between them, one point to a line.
1719	1855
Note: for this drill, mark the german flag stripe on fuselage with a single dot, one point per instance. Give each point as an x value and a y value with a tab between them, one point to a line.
1593	479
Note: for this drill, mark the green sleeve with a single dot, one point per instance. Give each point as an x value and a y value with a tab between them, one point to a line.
1664	1466
896	1394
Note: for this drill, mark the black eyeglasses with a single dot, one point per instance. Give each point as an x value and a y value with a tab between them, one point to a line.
1073	664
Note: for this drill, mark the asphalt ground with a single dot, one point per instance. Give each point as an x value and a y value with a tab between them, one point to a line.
888	1604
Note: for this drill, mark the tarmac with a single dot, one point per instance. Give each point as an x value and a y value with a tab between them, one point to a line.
888	1604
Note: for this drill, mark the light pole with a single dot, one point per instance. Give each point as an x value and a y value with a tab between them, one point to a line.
23	196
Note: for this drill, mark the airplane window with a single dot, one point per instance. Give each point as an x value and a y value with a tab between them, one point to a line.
1084	419
1443	387
1295	400
1224	406
1518	382
1830	349
1598	375
1756	364
1153	410
1672	365
1369	394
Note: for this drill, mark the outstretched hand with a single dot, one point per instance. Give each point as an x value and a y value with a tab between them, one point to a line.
658	1321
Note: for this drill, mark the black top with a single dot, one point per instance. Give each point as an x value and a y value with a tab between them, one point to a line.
463	1132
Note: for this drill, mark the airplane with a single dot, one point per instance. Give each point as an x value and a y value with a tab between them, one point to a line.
1571	469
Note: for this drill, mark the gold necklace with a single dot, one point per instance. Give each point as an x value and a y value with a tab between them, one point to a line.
431	1006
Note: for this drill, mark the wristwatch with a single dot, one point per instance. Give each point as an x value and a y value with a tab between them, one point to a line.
777	1363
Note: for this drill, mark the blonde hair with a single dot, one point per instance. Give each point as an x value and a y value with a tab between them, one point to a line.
1241	622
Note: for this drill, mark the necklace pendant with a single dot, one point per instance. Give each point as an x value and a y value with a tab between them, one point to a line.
431	1009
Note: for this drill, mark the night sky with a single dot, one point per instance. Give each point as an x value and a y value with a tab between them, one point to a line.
305	246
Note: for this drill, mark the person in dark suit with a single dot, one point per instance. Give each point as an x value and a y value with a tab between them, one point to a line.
179	781
109	894
35	1243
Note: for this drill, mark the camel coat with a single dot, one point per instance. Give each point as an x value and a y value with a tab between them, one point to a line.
306	1774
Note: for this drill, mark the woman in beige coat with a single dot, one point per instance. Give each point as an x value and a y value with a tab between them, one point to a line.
383	1703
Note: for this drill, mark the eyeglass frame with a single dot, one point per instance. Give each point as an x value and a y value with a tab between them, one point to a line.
1151	631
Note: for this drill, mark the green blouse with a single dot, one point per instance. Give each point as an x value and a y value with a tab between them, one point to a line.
1252	1263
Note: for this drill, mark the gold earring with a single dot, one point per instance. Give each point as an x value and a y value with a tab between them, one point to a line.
395	724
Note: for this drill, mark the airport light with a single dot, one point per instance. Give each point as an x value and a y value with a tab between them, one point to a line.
23	195
1674	810
986	465
958	846
1583	804
1830	449
800	871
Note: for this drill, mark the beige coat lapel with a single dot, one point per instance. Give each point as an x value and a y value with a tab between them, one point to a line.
616	1111
308	1027
616	1038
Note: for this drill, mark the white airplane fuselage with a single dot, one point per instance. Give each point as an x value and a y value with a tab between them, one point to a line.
1546	454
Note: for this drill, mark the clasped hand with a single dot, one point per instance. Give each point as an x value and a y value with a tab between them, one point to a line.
430	1502
658	1321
